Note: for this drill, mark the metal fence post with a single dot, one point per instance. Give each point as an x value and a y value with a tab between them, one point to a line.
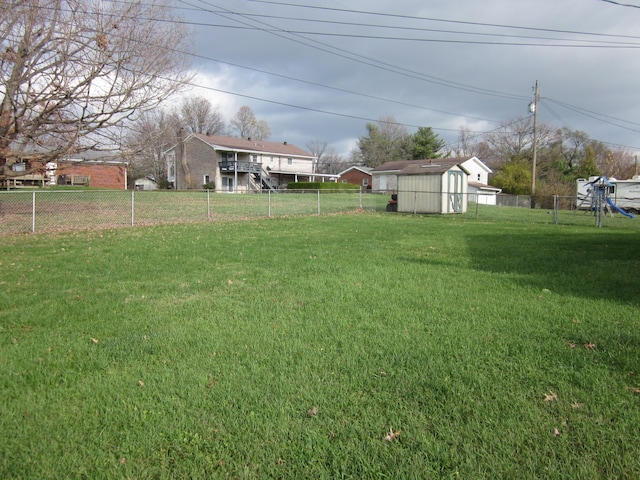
360	198
132	206
269	203
33	212
318	202
208	206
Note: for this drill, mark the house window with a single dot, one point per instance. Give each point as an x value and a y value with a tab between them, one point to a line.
344	180
255	158
479	177
365	182
206	179
271	161
289	161
18	167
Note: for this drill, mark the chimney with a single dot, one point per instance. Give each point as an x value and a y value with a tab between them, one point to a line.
285	143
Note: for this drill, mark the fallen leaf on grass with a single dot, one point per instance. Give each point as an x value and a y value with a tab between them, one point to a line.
140	383
123	461
312	412
635	390
391	436
590	346
570	344
556	432
550	397
576	405
94	341
229	282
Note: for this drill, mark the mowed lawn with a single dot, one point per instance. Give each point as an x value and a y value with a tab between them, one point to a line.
365	345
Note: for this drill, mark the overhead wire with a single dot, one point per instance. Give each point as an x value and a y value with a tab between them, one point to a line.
352	56
459	22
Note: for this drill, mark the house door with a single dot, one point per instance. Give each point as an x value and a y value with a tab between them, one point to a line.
227	183
455	191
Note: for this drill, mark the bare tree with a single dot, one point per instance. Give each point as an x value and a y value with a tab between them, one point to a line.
318	149
468	143
513	140
327	159
149	137
199	115
71	71
246	125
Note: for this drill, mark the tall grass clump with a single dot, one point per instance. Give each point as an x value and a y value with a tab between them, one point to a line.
366	345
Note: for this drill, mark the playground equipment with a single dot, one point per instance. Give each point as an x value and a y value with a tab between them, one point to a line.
596	196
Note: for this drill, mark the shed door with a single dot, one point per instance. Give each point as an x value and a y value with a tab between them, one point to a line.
455	191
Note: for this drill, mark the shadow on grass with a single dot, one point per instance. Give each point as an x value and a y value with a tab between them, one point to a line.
600	265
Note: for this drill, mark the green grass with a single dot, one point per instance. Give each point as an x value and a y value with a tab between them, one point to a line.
214	340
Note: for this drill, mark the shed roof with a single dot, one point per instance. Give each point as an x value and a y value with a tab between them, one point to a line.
429	169
398	166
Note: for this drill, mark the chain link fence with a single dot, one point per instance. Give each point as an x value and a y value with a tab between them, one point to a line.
54	210
58	210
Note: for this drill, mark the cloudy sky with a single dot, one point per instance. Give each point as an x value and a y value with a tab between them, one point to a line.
321	70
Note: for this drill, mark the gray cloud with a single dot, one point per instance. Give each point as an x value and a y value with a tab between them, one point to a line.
478	69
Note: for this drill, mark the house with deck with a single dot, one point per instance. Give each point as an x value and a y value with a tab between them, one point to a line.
239	165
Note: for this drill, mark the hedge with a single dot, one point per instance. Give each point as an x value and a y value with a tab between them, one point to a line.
321	186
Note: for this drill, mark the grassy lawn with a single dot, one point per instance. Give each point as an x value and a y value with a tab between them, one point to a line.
289	347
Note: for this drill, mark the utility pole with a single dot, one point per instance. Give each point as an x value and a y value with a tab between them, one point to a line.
533	107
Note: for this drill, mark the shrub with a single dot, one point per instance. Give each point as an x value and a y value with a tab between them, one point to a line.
321	186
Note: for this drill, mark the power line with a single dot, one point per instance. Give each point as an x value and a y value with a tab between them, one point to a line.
584	44
597	43
352	56
621	4
460	22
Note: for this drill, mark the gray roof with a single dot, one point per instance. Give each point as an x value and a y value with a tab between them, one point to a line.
430	169
258	146
401	165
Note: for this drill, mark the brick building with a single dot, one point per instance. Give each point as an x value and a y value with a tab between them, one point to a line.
360	176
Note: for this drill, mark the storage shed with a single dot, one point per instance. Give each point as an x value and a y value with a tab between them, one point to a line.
433	187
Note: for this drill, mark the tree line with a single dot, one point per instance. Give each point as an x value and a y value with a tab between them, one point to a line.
563	154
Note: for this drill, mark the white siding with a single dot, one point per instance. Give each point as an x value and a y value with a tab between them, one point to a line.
434	193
